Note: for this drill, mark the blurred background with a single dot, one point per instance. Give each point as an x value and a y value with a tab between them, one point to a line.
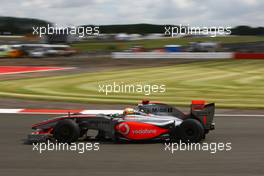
223	68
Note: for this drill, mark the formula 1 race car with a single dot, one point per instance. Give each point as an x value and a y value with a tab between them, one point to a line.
147	121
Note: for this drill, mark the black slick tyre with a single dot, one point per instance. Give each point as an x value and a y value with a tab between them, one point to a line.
66	131
191	131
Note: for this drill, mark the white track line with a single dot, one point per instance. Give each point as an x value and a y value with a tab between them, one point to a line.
102	111
20	111
10	111
239	115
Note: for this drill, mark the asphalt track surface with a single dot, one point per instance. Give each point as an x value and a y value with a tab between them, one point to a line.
245	158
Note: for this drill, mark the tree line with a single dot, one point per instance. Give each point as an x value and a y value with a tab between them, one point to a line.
22	26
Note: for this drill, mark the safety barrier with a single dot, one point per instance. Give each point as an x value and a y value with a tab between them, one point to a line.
178	55
249	56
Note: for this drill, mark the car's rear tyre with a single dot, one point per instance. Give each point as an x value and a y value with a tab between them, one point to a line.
191	131
66	131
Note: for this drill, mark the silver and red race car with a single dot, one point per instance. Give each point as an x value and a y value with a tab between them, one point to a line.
147	121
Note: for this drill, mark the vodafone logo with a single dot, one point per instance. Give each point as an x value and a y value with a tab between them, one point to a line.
144	131
138	130
123	128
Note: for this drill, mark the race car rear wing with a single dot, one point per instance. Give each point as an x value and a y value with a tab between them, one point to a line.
204	113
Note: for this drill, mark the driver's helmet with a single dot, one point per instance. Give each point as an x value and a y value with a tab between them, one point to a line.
128	111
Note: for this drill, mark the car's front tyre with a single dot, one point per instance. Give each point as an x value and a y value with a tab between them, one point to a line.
66	131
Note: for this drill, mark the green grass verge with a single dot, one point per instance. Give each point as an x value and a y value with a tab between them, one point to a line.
158	43
227	83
